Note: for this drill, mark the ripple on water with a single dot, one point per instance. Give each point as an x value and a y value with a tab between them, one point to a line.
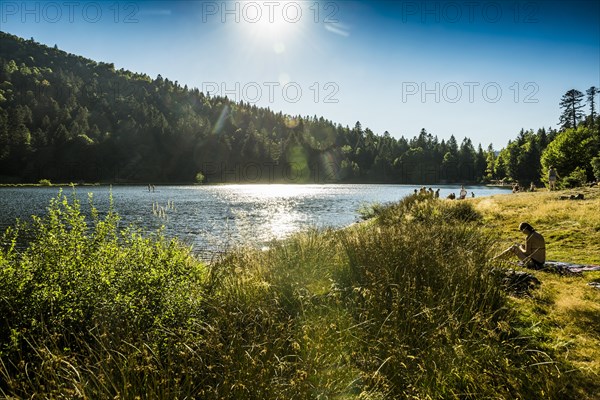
213	218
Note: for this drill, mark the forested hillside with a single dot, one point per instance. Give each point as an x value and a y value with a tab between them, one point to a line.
67	118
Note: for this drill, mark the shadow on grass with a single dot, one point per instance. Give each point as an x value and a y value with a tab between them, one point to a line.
587	319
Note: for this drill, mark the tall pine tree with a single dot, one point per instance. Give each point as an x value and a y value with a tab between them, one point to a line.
591	98
571	105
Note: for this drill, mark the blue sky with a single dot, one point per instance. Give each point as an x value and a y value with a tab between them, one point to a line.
481	69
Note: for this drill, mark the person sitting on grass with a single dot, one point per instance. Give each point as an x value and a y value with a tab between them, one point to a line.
533	253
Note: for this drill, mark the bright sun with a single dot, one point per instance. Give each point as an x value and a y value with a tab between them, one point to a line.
275	20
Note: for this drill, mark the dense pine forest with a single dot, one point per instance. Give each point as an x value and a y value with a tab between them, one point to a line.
66	118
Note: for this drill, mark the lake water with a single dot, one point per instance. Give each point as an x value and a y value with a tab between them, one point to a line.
213	218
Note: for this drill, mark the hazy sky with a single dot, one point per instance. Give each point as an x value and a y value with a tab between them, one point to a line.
481	69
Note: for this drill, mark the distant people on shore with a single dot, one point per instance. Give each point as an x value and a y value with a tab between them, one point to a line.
552	177
533	253
515	187
532	187
435	194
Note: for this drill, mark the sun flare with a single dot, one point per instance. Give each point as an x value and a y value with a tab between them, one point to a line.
272	20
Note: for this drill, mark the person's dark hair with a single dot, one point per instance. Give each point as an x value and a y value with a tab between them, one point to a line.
525	226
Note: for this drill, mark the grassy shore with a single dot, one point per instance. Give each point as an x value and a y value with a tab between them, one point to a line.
406	305
565	312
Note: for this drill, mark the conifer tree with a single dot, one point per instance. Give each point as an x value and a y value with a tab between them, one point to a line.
571	105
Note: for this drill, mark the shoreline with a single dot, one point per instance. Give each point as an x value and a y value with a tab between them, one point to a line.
99	184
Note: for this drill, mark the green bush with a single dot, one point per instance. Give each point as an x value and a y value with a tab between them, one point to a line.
81	284
577	178
596	167
45	182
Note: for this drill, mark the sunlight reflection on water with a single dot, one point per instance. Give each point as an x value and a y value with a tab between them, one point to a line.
215	218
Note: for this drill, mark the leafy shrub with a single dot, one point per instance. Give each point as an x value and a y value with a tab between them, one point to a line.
576	178
81	282
568	150
45	182
596	167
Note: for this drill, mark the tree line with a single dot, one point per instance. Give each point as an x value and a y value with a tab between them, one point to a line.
573	149
67	118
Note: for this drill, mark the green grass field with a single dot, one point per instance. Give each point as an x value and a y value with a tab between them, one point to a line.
565	311
406	305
